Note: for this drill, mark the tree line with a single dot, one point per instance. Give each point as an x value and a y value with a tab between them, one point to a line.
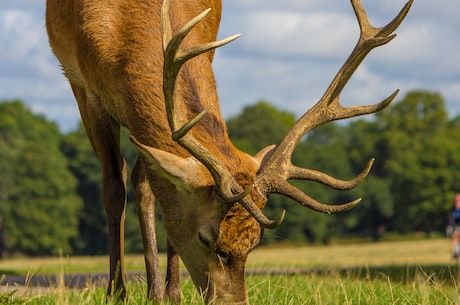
50	183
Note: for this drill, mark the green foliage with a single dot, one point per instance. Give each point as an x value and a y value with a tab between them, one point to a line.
258	126
38	203
84	165
51	183
412	183
92	223
420	160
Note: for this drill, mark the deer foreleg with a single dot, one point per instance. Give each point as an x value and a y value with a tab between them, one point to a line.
145	206
114	194
104	135
173	292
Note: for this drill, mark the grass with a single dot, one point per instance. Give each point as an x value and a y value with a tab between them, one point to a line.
295	290
409	272
53	265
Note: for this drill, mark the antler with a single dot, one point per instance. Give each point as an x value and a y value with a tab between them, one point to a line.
174	57
277	167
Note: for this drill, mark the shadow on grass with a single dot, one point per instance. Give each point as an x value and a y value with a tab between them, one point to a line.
446	273
9	271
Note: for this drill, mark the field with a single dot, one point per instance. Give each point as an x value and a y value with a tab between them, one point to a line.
406	272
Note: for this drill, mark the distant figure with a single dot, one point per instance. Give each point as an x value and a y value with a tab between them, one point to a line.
454	228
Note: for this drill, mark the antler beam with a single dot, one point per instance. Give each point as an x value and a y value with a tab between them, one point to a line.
278	168
174	58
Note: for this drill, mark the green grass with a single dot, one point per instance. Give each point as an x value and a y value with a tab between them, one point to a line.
410	272
334	289
419	252
296	290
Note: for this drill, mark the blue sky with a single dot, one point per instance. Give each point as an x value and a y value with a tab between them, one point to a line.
288	54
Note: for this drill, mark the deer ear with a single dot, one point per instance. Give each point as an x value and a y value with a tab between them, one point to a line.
263	153
185	173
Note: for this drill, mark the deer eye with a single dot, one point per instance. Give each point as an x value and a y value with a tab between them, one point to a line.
203	241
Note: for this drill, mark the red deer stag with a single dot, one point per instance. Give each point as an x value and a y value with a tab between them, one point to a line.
146	65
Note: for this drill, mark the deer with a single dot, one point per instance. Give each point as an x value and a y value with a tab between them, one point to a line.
147	66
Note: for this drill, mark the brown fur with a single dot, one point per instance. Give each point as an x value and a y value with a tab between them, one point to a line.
112	55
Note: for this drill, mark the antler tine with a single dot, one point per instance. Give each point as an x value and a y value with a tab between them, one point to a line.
277	168
317	176
174	57
283	187
260	216
294	193
370	38
328	108
366	26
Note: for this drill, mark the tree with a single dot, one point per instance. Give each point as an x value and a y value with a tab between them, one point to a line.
92	223
418	151
258	126
38	205
325	149
84	165
410	186
46	176
373	215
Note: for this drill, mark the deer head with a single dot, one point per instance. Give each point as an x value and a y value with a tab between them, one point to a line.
227	199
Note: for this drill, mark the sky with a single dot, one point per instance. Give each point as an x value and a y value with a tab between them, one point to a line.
288	54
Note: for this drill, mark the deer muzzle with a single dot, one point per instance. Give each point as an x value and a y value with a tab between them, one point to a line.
227	286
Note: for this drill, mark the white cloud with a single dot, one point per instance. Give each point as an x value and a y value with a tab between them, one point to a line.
422	56
22	34
305	35
28	69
